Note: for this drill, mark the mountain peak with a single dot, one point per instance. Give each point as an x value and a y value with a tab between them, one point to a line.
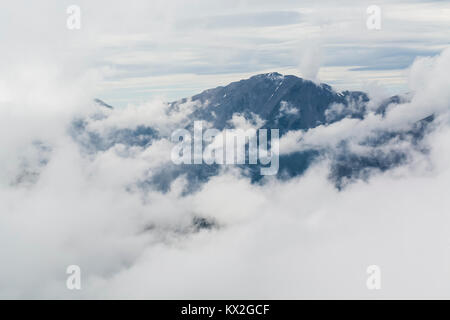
270	76
286	102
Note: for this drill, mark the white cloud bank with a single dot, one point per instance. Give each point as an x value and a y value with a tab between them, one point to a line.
296	239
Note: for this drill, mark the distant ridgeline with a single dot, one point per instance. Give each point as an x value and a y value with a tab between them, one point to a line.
287	103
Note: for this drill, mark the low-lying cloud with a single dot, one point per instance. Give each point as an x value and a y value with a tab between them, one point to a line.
63	204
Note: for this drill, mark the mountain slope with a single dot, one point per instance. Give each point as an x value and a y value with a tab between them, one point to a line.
287	103
284	102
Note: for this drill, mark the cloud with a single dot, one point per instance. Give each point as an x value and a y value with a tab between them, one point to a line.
311	62
300	238
175	49
252	121
287	109
428	81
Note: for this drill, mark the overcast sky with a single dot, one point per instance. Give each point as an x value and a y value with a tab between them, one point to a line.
142	49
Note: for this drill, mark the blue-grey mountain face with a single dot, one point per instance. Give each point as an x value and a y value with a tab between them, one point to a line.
286	103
